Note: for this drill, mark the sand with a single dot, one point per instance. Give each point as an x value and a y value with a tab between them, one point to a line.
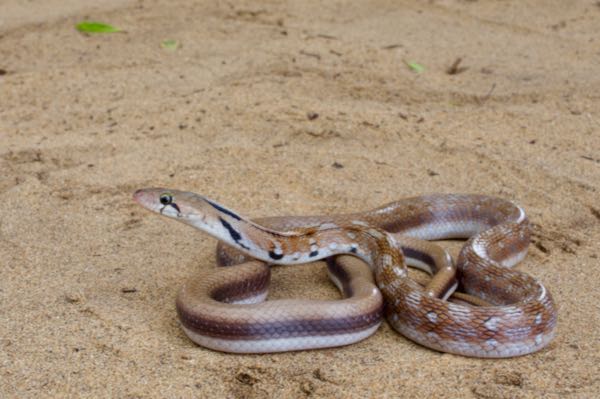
279	108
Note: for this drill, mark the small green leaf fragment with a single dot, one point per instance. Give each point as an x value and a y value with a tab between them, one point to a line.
170	44
418	68
96	27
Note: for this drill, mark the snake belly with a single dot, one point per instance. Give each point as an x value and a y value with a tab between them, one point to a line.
227	311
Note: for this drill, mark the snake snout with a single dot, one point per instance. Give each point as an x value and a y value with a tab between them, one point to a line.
137	196
143	197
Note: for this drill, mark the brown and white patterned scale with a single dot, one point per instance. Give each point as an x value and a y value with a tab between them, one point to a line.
503	313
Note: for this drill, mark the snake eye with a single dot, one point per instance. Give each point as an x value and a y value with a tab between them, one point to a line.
166	199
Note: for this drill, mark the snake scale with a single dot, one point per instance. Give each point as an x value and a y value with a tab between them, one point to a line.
502	313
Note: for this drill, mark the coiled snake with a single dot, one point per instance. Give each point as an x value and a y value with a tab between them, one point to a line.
226	311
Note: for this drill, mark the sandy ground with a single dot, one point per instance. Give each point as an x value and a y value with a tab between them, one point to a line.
282	108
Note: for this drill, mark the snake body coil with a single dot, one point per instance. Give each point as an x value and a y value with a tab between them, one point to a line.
226	311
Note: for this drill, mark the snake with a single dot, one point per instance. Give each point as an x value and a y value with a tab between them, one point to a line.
501	312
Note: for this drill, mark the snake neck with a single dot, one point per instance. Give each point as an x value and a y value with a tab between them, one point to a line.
308	244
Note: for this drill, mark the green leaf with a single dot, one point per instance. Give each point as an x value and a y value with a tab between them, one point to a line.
170	44
96	27
418	68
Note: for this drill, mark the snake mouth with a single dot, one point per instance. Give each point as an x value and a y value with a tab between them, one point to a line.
174	206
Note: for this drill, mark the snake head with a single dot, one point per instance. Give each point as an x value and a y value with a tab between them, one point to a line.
160	200
186	207
197	211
